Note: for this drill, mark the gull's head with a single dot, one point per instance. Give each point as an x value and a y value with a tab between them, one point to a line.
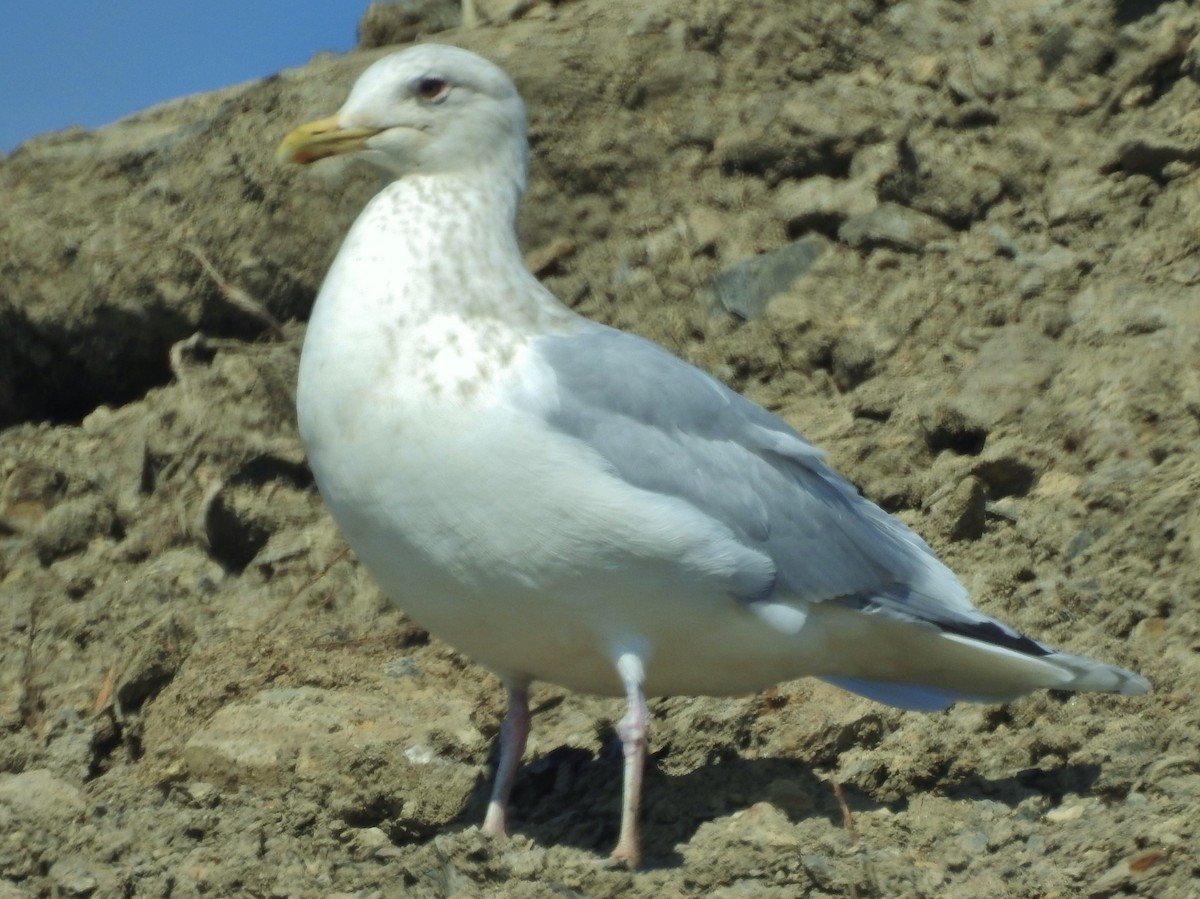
427	109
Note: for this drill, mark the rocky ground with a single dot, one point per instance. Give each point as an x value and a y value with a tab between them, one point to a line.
961	239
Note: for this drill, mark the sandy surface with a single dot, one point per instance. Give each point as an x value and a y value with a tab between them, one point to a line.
202	694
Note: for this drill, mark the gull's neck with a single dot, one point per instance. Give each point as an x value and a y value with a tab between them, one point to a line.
436	245
428	295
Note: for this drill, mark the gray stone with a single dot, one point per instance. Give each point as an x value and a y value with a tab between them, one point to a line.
745	289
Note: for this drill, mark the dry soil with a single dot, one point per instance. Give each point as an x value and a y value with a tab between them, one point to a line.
202	694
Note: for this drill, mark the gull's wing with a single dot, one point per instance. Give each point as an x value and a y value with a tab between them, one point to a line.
665	426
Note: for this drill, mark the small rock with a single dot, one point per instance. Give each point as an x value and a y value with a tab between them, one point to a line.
69	527
163	650
927	70
789	796
202	795
263	496
77	885
877	401
796	134
1152	155
29	492
854	360
962	514
1078	194
307	732
745	289
977	76
706	225
72	745
952	428
667	76
822	203
9	890
547	259
665	243
892	226
369	840
40	796
1066	813
1016	363
947	179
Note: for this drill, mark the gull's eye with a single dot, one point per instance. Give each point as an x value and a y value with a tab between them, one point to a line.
431	89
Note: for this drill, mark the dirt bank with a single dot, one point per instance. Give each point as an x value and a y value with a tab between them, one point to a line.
202	694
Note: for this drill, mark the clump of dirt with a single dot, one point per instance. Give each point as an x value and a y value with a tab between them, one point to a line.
992	331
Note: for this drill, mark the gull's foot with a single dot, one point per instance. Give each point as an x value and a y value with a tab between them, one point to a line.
495	823
627	854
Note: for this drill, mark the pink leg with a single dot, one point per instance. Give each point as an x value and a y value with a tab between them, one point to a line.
632	731
514	731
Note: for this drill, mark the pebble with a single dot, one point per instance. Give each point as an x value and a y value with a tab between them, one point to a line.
892	226
1066	813
746	288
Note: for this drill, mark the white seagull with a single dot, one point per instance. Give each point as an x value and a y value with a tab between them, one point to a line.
569	503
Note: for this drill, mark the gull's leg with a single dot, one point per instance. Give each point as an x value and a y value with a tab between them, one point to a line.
632	731
514	731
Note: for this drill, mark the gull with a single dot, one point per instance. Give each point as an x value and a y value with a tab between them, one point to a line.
569	503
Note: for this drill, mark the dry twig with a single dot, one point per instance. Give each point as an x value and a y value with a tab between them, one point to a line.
233	294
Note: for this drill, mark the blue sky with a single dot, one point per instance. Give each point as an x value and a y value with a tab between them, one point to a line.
91	62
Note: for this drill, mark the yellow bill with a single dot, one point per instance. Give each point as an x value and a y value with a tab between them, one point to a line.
322	138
